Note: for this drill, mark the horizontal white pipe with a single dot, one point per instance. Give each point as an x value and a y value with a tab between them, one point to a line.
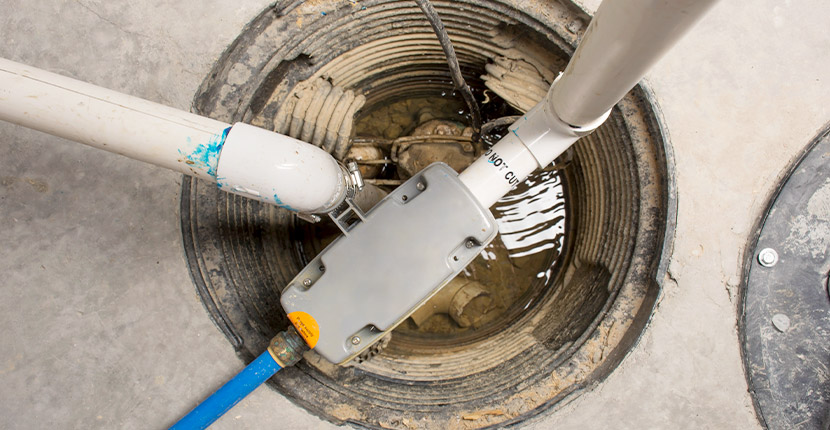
110	120
624	39
250	161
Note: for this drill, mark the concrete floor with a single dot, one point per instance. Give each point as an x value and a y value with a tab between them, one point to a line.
100	323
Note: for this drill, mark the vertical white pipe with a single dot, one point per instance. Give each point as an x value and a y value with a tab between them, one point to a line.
624	39
533	141
500	169
242	159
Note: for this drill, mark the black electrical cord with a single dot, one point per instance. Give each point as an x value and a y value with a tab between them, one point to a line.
455	69
498	122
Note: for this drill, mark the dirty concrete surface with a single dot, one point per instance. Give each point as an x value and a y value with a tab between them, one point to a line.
101	326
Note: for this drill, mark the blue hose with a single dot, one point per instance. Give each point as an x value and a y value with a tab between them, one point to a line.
230	394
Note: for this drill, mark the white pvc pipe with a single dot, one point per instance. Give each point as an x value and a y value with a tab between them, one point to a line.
625	38
500	169
623	41
534	141
249	161
281	170
110	120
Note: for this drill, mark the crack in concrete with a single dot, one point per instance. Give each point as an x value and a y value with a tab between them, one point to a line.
108	21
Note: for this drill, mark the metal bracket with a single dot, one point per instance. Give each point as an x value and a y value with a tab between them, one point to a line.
347	215
312	218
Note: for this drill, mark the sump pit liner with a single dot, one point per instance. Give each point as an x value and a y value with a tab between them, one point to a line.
620	212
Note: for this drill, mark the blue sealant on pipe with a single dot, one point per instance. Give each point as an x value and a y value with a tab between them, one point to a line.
230	394
281	204
206	155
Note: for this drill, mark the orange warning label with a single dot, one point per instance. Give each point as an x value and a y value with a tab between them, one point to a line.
307	326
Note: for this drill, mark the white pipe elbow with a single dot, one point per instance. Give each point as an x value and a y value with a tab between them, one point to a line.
279	170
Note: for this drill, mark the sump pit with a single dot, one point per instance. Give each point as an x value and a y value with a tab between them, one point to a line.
565	332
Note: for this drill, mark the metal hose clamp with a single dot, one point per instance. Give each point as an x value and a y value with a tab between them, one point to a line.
354	180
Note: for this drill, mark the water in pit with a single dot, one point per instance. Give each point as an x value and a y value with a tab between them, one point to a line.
513	269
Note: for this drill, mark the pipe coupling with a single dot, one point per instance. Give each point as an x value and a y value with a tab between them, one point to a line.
287	347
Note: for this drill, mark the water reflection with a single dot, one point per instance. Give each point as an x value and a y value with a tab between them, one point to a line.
532	218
